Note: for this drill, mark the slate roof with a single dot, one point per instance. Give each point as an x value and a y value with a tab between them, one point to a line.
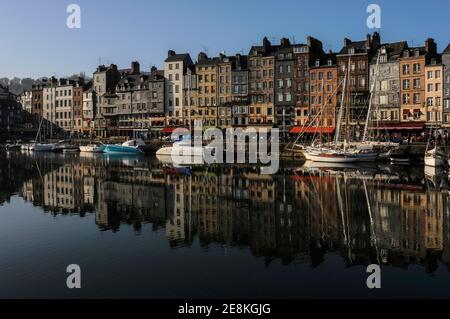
359	46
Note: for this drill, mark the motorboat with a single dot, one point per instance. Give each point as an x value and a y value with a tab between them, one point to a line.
436	157
91	148
128	147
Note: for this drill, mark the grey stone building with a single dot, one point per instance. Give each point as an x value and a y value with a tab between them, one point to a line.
239	91
139	104
105	80
284	88
386	93
446	110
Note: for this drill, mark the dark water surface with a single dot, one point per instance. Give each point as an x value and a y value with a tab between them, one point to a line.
140	229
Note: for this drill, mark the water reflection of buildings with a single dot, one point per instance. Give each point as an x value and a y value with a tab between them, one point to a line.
288	216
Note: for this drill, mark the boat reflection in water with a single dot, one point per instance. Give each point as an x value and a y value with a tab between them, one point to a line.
302	216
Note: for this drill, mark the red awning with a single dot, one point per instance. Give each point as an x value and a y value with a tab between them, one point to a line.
170	129
400	126
312	130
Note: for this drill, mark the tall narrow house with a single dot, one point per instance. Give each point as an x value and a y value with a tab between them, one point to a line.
356	55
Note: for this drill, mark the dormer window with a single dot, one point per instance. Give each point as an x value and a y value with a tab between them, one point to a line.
351	51
416	53
383	58
383	50
330	63
406	54
317	62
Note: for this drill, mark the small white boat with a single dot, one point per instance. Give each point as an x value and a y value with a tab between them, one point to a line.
91	148
436	157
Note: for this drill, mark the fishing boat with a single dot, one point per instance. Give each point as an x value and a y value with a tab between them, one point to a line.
128	147
92	148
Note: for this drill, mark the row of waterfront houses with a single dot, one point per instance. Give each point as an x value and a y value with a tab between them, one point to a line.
283	86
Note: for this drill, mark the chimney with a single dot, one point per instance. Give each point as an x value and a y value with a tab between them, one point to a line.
284	43
368	43
376	40
153	69
430	46
135	69
266	45
347	42
202	56
170	53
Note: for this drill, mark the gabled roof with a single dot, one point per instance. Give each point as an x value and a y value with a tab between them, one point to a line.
178	57
447	50
393	50
359	46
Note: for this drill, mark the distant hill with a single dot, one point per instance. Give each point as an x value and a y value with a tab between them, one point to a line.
17	85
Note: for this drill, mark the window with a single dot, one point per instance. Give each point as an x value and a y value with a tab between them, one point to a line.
383	99
416	68
416	83
405	69
430	101
416	98
405	98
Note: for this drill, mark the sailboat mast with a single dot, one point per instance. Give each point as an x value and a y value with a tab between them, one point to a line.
341	112
347	110
369	110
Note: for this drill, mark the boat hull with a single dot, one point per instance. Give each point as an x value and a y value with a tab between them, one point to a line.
121	149
434	161
91	149
330	158
42	147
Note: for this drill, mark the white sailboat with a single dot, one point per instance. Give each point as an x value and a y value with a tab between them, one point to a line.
41	147
436	156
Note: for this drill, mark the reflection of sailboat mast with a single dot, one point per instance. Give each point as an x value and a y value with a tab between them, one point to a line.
190	206
373	238
341	209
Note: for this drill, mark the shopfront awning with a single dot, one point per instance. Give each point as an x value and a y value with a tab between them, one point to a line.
400	126
170	129
312	130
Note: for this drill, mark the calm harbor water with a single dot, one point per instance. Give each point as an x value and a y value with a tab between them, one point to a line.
140	229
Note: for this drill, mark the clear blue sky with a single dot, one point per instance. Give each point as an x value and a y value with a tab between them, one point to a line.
35	41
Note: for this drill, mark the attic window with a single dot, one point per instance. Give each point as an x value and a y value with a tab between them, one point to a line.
383	58
330	62
351	51
317	62
416	53
406	54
